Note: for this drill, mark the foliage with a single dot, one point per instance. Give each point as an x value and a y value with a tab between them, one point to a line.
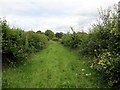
59	35
108	65
40	32
103	42
17	44
72	40
55	39
49	33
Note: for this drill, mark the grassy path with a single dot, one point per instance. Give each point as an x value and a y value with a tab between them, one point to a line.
54	67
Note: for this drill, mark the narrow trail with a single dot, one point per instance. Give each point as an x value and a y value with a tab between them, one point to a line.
54	67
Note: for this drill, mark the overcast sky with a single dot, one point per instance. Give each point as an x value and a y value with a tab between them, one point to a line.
57	15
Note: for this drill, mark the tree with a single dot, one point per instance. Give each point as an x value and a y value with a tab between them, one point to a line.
49	33
38	31
59	35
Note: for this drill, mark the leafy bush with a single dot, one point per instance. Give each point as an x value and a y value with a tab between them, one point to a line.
103	42
90	45
108	65
71	40
17	44
59	35
49	33
55	39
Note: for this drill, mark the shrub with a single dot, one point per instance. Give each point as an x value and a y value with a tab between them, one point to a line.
104	43
55	39
49	33
59	35
108	65
71	40
17	44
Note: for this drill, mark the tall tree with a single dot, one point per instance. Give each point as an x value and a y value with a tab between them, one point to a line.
49	33
59	35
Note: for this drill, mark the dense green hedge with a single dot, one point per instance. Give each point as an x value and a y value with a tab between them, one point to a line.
102	43
55	39
107	40
17	45
73	40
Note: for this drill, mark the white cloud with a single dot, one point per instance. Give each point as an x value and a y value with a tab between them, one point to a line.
57	15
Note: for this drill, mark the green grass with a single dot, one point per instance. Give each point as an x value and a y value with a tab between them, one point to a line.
54	67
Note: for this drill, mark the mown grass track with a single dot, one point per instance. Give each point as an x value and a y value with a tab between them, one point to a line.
54	67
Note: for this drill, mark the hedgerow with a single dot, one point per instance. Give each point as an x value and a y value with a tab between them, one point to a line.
17	45
72	40
102	43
